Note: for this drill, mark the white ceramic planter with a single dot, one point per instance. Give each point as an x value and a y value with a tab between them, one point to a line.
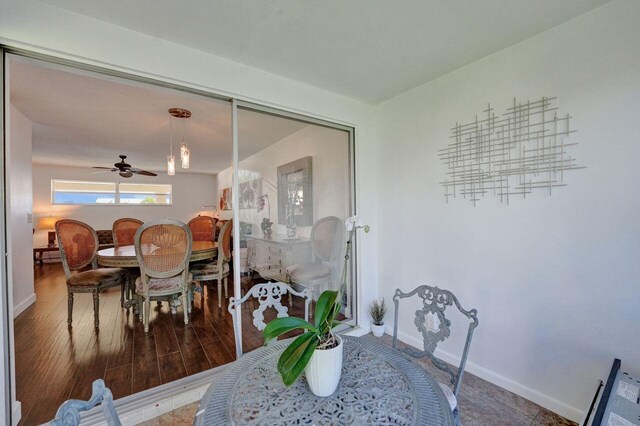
378	330
324	370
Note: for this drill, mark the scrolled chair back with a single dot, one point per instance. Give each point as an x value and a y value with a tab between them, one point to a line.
78	244
203	228
124	231
163	248
435	302
326	238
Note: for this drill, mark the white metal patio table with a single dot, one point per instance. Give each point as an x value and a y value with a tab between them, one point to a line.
378	386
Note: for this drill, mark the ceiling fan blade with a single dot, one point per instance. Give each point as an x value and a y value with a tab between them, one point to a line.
103	171
126	174
142	172
106	168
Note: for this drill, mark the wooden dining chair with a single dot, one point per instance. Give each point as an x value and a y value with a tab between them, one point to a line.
217	270
203	228
434	326
78	244
163	248
124	230
268	295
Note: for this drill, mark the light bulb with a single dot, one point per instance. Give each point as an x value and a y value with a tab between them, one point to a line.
171	165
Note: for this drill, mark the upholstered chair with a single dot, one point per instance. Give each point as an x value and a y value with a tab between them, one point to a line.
434	326
203	228
321	273
163	248
78	244
124	230
217	270
268	295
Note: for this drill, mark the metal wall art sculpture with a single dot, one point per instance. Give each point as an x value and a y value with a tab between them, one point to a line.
509	155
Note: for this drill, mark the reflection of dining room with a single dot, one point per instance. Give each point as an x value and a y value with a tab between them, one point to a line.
319	213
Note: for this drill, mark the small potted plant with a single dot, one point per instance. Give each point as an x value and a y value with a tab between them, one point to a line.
266	228
377	310
318	351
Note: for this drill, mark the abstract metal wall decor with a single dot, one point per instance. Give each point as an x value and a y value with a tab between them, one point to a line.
508	155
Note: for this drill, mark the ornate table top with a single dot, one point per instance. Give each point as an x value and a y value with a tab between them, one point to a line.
125	256
378	387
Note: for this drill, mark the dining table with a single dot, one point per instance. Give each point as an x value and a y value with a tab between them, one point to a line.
379	385
125	256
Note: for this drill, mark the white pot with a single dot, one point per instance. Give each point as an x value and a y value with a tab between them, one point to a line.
324	369
378	330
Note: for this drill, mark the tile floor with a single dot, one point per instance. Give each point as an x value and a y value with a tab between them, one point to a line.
480	403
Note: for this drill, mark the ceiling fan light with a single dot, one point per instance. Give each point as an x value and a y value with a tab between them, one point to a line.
185	154
171	165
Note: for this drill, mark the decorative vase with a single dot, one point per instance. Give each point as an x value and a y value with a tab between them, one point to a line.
290	221
378	330
324	370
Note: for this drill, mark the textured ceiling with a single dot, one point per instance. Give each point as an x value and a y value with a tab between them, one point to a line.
84	119
365	49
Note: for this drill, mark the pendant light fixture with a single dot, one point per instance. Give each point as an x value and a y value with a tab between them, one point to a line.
171	159
185	152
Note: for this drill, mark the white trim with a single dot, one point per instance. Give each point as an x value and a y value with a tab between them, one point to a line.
357	331
20	307
16	413
526	392
151	403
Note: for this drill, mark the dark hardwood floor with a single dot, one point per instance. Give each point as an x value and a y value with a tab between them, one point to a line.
55	363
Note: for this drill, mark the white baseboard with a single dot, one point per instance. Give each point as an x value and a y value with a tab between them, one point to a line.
16	413
20	307
533	395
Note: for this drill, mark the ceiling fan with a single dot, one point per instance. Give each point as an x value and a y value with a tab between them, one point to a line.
124	169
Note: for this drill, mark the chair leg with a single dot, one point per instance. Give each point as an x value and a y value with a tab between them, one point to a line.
96	309
146	312
69	308
226	291
219	293
290	299
122	289
186	307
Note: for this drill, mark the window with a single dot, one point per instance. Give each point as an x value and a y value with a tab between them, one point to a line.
85	192
142	193
78	192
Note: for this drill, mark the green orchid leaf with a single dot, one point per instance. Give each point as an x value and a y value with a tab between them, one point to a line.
279	326
295	358
323	306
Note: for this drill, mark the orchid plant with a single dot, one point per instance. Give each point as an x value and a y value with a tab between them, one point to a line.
318	335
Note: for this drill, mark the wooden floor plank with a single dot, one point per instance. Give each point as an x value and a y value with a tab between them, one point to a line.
54	362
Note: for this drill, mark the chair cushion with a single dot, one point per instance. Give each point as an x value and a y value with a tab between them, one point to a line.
162	284
305	272
100	276
200	270
448	393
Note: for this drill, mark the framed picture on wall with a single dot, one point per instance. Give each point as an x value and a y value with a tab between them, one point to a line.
295	191
225	199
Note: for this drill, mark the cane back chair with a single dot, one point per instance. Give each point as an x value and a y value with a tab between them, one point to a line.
78	244
268	295
124	231
218	269
435	327
203	228
163	248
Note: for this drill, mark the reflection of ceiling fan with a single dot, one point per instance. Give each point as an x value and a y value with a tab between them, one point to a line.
124	169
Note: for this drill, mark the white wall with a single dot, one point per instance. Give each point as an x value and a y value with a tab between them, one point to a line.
555	278
191	191
329	152
19	208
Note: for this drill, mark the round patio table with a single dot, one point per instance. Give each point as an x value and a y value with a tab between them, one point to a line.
378	386
125	256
